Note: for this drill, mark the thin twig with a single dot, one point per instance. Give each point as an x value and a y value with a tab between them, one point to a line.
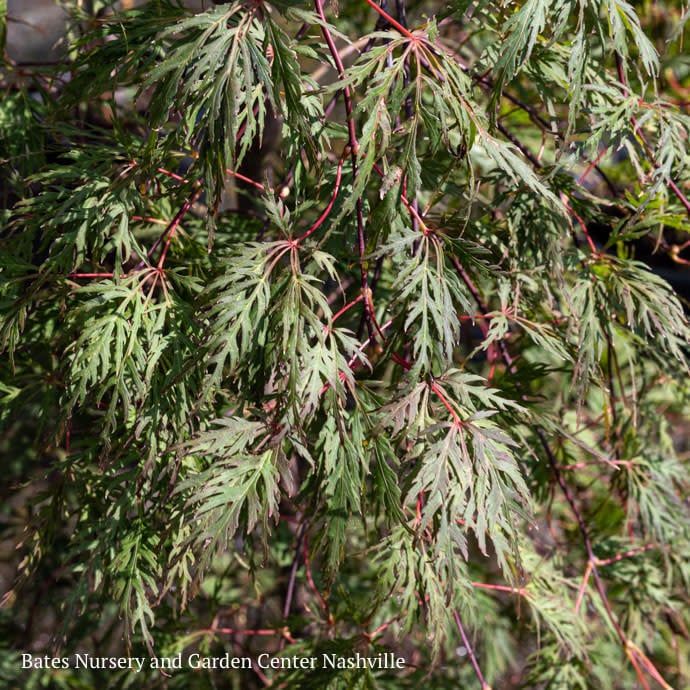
169	232
395	24
670	182
582	526
326	212
287	606
354	151
470	652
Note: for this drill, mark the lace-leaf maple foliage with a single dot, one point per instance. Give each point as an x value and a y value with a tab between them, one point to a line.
356	328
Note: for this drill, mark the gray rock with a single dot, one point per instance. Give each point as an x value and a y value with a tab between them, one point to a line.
35	31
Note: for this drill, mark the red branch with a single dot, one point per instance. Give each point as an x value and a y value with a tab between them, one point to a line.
310	580
500	588
441	396
625	554
326	212
172	175
90	275
410	206
174	224
354	151
397	25
380	629
470	652
343	310
634	654
246	179
267	632
581	223
636	128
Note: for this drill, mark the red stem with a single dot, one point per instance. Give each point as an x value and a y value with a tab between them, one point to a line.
174	224
354	357
231	631
354	150
580	180
90	275
438	391
583	586
326	212
172	175
148	219
237	175
499	588
281	632
246	179
570	499
401	361
582	224
625	554
671	184
381	628
412	209
344	309
470	652
390	20
439	394
312	584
